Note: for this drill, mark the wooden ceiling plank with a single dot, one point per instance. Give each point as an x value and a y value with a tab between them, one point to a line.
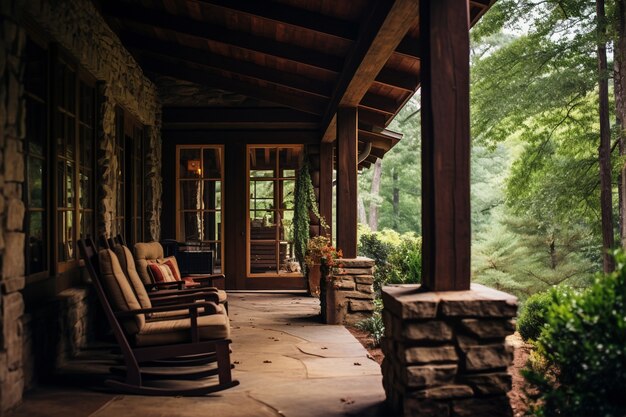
306	103
398	79
379	103
381	33
292	16
202	57
209	32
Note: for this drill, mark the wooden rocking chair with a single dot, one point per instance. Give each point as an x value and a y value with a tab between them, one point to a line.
143	341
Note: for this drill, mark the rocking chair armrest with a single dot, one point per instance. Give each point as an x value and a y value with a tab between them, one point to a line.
204	277
163	293
192	307
189	297
176	284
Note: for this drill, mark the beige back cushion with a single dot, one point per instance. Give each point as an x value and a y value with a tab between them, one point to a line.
128	266
119	292
145	252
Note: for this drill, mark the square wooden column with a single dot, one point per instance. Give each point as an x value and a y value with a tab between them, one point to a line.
445	145
346	180
326	185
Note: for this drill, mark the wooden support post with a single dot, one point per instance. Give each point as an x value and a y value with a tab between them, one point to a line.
326	186
445	145
347	126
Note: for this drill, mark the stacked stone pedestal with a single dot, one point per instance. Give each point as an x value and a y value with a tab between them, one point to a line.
349	294
445	352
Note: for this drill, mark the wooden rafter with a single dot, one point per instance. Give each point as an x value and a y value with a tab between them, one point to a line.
211	33
380	35
300	101
202	57
291	16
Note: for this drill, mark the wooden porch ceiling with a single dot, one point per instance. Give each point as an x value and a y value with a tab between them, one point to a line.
300	59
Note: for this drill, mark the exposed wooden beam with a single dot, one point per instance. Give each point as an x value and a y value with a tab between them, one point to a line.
379	103
398	79
261	118
380	34
326	185
292	16
213	33
306	103
445	146
378	140
141	44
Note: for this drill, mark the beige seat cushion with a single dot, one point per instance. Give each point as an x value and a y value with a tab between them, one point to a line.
119	293
145	252
166	332
130	270
222	296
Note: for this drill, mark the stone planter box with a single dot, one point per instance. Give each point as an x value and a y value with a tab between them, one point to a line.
347	294
445	352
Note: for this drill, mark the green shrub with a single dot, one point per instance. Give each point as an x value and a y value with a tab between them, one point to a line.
582	351
532	315
374	325
398	257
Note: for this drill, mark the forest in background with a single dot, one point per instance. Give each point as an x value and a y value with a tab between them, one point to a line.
546	168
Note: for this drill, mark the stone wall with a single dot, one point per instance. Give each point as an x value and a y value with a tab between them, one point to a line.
445	352
80	29
56	332
12	110
349	296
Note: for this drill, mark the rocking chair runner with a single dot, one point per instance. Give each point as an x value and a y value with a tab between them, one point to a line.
142	341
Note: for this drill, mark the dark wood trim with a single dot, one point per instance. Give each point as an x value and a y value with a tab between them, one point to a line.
244	136
326	185
212	33
381	33
347	181
445	145
305	102
254	118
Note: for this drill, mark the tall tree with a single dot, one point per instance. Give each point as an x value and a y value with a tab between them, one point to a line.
375	193
620	105
604	149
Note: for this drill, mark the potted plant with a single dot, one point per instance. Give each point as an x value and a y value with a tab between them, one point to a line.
321	258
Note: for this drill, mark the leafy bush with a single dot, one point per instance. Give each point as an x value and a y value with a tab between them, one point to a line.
398	257
374	325
532	315
582	350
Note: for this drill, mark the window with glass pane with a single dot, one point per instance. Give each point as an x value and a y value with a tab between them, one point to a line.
199	218
35	152
272	175
67	160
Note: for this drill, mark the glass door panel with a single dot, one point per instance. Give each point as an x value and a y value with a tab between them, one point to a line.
271	182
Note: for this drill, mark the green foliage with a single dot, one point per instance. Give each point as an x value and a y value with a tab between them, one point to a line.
374	325
305	202
582	348
532	316
398	256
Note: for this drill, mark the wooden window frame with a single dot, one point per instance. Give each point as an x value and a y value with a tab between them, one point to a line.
277	240
221	210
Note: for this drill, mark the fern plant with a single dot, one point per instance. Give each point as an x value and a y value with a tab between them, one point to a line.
305	202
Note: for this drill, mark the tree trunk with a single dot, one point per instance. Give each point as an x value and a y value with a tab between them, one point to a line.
620	107
362	216
604	150
396	199
375	192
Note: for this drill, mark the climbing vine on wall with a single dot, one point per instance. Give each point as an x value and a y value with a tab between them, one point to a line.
305	202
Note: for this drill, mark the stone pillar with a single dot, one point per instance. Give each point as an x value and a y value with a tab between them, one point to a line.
153	180
107	162
349	296
445	352
12	130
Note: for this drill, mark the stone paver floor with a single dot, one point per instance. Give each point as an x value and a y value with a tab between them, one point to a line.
287	363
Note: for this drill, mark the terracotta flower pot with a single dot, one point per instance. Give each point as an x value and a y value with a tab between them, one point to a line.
314	275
